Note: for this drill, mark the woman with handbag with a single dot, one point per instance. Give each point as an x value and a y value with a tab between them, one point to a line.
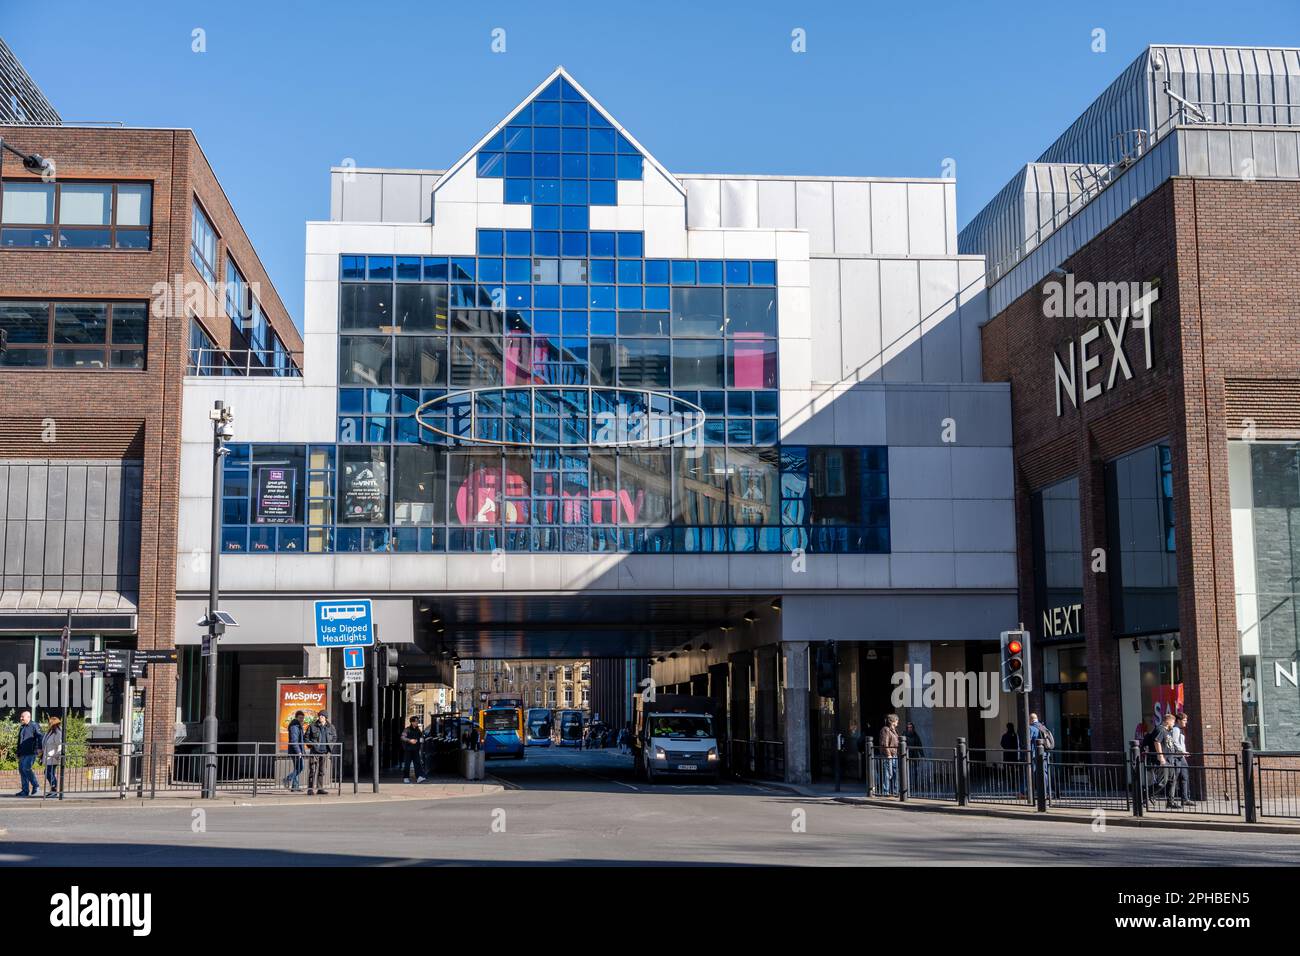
52	754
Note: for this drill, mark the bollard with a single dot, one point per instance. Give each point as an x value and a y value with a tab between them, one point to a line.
839	749
963	772
870	752
1248	780
1138	785
903	770
1040	775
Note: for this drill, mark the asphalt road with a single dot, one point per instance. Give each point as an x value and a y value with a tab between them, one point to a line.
564	806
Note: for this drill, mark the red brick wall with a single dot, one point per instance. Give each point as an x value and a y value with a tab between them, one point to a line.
132	414
1227	255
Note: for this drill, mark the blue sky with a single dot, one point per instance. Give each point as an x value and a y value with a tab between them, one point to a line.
288	88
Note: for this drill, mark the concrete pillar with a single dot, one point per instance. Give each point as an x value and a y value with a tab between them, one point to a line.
798	753
315	661
918	659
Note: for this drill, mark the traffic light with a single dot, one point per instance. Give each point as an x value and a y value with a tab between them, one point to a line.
1015	662
388	666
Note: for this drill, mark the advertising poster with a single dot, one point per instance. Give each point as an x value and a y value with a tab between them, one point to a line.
276	496
365	491
1166	699
311	695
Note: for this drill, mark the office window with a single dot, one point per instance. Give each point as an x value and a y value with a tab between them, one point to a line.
81	335
75	215
203	245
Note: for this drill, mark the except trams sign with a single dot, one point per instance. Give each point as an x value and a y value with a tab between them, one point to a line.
1118	308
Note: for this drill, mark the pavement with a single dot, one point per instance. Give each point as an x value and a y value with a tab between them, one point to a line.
1183	819
560	806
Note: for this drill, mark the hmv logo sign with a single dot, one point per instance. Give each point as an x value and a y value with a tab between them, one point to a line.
1103	356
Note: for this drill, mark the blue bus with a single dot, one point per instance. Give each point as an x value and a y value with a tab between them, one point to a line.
501	727
538	724
570	728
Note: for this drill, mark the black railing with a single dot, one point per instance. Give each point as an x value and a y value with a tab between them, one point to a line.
250	768
758	758
1248	785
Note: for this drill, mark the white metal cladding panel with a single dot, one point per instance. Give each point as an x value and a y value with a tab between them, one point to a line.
853	217
927	227
889	218
739	204
1122	106
940	321
860	318
776	204
362	197
703	203
400	198
825	320
1251	86
815	213
900	320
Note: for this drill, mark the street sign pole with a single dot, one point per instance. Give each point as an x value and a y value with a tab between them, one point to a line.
374	714
65	647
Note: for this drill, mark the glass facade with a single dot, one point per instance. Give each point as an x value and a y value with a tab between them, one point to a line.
499	399
1140	513
1265	488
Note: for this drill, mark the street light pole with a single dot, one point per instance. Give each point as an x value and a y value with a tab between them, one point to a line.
222	432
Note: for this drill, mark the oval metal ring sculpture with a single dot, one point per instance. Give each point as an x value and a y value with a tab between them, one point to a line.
691	417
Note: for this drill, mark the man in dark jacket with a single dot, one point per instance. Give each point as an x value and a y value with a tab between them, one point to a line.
320	739
411	752
295	751
29	748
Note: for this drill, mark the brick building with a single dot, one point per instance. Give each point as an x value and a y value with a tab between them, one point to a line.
1157	449
122	270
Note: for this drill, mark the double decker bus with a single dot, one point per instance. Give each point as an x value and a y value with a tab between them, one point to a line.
570	728
501	726
539	724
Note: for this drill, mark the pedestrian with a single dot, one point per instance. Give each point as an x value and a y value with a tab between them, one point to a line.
52	754
1152	773
28	749
915	751
1039	733
411	752
889	755
1178	760
1010	744
321	738
1165	750
292	781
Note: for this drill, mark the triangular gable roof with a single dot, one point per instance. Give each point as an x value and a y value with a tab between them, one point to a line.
558	72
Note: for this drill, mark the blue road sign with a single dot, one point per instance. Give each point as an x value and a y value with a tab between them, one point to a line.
344	623
354	658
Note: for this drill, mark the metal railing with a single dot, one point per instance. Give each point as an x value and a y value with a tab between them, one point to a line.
1271	784
250	768
244	363
1248	785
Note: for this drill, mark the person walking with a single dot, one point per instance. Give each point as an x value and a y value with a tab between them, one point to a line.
411	751
1165	750
1152	773
917	776
1010	744
321	737
1038	731
1178	760
293	781
28	749
889	740
52	754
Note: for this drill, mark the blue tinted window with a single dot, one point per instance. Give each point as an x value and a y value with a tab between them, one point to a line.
656	272
352	267
629	167
519	191
630	245
380	267
546	217
710	272
519	164
602	245
435	269
603	192
737	272
491	242
683	272
408	268
518	242
490	165
763	273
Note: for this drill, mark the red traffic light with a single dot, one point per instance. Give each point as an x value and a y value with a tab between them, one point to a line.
1014	647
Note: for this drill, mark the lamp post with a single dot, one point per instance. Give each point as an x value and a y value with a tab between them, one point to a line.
222	432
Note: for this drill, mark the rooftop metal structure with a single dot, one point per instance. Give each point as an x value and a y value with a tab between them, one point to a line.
1167	88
